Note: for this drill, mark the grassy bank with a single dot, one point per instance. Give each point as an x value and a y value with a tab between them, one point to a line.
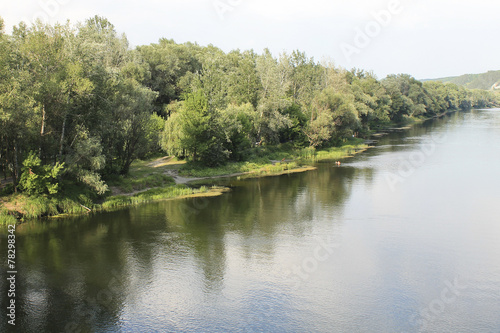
156	194
154	180
261	168
277	159
144	175
22	208
7	218
338	153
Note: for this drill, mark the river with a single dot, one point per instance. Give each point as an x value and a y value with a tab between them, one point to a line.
402	238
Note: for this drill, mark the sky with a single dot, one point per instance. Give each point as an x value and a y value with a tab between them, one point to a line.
423	38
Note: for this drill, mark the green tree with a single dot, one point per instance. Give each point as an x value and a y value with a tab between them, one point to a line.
85	160
193	130
172	67
243	82
275	80
321	127
371	99
237	124
305	78
18	118
127	126
37	178
295	131
153	131
402	106
213	77
201	135
333	118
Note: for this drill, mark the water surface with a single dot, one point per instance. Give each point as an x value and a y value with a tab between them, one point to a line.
402	238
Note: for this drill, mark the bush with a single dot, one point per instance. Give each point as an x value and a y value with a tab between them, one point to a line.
39	179
7	189
6	218
39	206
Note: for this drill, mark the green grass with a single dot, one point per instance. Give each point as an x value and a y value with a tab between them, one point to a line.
254	168
141	176
276	168
197	170
260	163
155	194
338	153
155	185
6	218
41	206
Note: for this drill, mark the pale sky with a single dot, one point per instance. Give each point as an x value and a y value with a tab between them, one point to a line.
424	38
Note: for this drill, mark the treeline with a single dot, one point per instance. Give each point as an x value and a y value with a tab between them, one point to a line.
78	104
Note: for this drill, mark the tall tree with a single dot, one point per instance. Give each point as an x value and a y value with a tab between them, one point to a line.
172	67
275	80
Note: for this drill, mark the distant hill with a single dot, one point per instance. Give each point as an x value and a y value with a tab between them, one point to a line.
485	81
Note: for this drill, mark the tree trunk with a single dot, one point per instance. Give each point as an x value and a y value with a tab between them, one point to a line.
61	142
5	168
126	161
5	162
42	132
15	174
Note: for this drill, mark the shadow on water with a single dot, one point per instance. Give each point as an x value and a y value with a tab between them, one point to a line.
79	273
197	264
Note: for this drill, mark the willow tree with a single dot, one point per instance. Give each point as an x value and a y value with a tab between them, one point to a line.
194	131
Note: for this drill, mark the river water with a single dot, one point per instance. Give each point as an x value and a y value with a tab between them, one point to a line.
402	238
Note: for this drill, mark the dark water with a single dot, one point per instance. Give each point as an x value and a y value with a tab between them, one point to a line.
402	238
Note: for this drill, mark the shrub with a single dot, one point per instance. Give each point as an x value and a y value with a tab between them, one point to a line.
37	178
6	218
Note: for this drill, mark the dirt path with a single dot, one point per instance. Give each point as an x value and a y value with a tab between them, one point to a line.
10	206
162	161
174	173
282	161
184	180
116	191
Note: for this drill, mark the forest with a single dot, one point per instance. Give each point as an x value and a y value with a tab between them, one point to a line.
78	105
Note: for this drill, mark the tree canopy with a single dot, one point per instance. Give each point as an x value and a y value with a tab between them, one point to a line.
78	104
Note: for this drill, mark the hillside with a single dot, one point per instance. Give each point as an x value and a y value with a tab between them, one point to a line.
485	81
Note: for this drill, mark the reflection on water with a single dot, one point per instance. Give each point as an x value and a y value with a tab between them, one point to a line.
372	245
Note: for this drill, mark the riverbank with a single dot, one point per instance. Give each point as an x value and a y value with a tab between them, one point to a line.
168	178
21	208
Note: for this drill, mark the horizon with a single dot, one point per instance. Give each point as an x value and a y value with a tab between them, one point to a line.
383	37
454	76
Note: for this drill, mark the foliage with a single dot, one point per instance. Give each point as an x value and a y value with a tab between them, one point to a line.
79	95
195	132
6	218
85	159
39	179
